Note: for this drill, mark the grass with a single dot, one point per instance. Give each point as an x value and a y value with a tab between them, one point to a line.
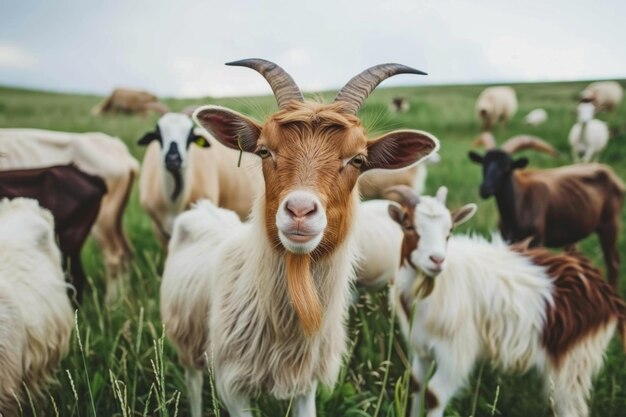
119	363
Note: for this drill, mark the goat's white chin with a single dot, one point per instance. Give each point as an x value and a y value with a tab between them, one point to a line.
300	244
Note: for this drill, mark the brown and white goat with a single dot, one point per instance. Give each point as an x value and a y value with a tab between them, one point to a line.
182	164
94	153
468	299
555	207
277	287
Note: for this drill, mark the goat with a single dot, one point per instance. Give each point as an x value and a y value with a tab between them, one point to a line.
536	117
277	287
605	95
468	299
35	314
589	136
93	153
373	184
496	104
124	100
399	105
555	207
72	197
182	165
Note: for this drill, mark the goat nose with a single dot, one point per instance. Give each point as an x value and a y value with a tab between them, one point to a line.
300	208
437	260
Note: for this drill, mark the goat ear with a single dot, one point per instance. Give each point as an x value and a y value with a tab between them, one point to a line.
399	149
442	194
463	214
230	128
475	157
396	213
520	163
148	137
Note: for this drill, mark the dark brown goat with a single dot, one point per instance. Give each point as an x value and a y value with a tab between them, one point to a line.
554	207
72	197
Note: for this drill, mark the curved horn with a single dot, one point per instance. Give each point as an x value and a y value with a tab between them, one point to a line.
158	107
359	87
520	142
485	139
402	194
284	87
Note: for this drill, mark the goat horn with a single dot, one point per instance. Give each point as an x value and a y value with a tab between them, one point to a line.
359	87
485	139
520	142
158	107
284	87
402	194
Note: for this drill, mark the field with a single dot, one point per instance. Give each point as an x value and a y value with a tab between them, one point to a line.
120	364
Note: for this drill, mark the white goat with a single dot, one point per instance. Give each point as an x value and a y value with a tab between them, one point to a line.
536	117
588	137
496	104
277	288
606	95
469	299
96	154
182	165
35	313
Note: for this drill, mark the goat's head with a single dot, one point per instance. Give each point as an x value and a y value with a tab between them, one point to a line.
175	133
498	164
427	225
312	155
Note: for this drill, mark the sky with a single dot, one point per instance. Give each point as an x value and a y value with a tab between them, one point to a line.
178	48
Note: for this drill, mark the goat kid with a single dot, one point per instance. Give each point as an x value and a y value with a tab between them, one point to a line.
468	299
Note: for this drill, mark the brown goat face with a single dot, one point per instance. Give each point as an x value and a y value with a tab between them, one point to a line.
312	156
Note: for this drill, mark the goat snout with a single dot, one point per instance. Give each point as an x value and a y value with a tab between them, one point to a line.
173	160
437	260
301	221
300	208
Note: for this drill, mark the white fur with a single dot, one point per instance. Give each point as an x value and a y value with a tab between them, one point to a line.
210	173
217	264
499	104
96	154
606	95
589	136
536	117
35	313
379	239
488	303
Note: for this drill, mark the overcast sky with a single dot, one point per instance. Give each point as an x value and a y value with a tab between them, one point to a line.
177	48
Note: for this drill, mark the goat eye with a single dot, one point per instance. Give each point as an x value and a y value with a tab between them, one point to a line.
263	152
358	161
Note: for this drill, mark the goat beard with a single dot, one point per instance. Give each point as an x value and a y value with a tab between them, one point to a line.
302	292
424	285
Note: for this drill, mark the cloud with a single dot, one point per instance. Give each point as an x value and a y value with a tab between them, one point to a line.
15	57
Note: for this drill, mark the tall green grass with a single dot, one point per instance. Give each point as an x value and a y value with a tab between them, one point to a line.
121	365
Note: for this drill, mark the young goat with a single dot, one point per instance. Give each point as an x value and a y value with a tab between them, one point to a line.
181	165
556	207
35	314
589	136
468	299
277	288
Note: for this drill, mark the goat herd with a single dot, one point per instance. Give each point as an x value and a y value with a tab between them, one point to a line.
263	301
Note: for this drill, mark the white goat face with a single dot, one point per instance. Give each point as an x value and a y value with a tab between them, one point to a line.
433	224
175	132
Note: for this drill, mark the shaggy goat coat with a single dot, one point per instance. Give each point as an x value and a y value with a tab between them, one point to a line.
254	340
35	313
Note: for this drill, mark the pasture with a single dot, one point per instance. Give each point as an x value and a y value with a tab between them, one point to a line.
120	364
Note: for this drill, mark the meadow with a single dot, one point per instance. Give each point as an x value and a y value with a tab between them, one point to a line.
121	365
